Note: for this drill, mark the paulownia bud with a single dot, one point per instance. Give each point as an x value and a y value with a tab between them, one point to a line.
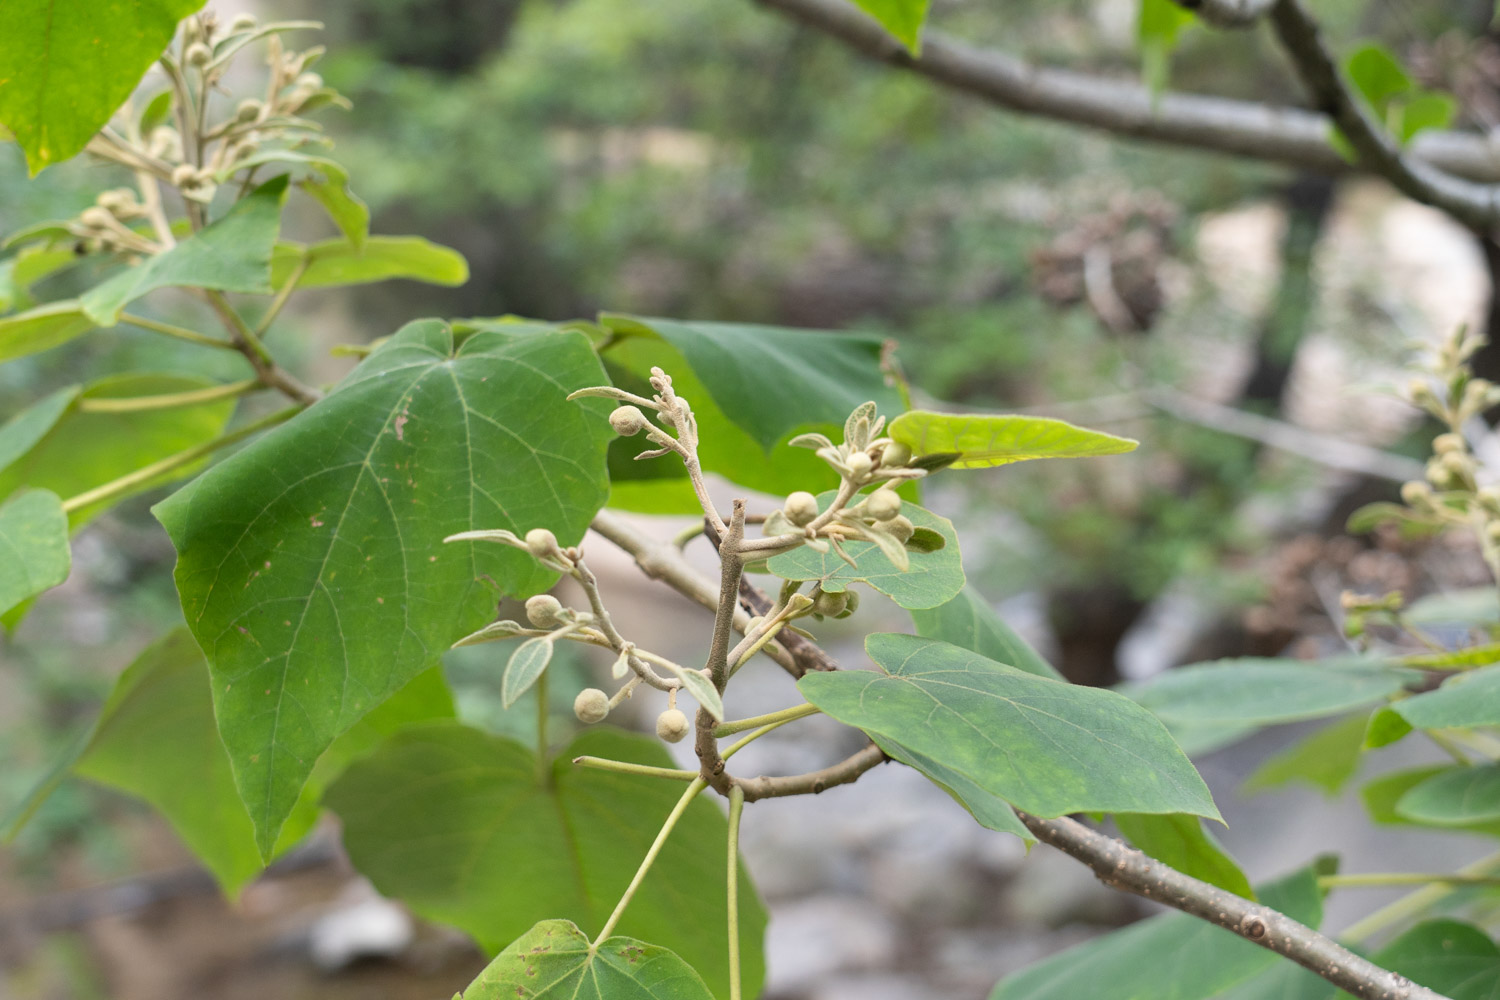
544	610
1416	493
309	81
184	175
248	111
591	705
901	528
860	464
672	725
242	22
801	508
95	217
895	455
541	543
883	505
830	605
627	421
1445	443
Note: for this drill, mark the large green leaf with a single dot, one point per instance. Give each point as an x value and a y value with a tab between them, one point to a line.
1326	759
79	450
376	258
1181	842
1459	796
155	738
459	825
1169	957
970	622
1466	699
984	440
1470	606
1265	691
66	65
902	18
1449	957
34	554
42	328
311	564
1383	796
556	961
987	808
233	254
772	380
1042	745
932	580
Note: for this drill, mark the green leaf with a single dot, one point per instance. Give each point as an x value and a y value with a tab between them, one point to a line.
155	738
556	961
1286	981
1377	76
988	809
311	564
336	263
1326	759
232	254
526	664
1382	796
1458	797
933	579
985	440
1263	691
1472	606
1455	659
1455	959
1044	746
156	112
459	825
1173	956
31	265
1471	698
970	622
902	18
34	554
66	65
1385	727
42	328
328	184
1428	110
1181	842
771	380
80	450
1160	24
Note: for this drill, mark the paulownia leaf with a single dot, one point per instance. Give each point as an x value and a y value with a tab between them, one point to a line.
1326	759
932	579
970	622
985	440
1459	796
527	661
328	183
1467	699
459	825
232	254
1471	606
1173	956
379	258
57	445
1181	842
556	961
987	808
311	564
42	328
1455	959
66	65
1042	745
34	554
1382	798
1264	691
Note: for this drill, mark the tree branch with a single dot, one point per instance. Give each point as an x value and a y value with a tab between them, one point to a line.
1120	867
847	770
1289	136
1474	204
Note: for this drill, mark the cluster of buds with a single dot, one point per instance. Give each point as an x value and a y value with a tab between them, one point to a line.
864	457
105	226
1359	608
629	419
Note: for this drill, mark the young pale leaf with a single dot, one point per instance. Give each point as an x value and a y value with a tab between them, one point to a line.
988	809
931	579
337	263
1261	692
556	961
1471	698
42	328
702	689
311	564
232	254
902	18
1173	956
492	632
970	622
1382	798
456	823
34	540
1181	842
1044	746
984	440
1327	759
61	85
526	665
1455	959
1457	797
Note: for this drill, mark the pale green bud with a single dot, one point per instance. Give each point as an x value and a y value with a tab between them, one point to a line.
544	610
672	725
591	705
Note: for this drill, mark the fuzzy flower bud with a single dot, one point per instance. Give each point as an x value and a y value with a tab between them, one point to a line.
883	505
591	705
830	605
95	217
242	22
544	610
860	465
1445	443
541	543
895	455
1416	493
184	175
672	725
199	54
627	421
801	508
901	528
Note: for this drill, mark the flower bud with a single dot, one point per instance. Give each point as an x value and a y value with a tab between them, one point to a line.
184	175
627	421
830	605
1445	443
895	455
199	54
801	508
1416	493
541	543
883	505
309	81
672	725
591	705
242	22
544	610
95	217
248	111
860	465
901	528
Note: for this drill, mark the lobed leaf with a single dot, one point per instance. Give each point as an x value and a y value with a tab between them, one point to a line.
985	440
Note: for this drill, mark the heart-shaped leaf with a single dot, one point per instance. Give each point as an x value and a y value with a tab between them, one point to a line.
556	961
985	440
